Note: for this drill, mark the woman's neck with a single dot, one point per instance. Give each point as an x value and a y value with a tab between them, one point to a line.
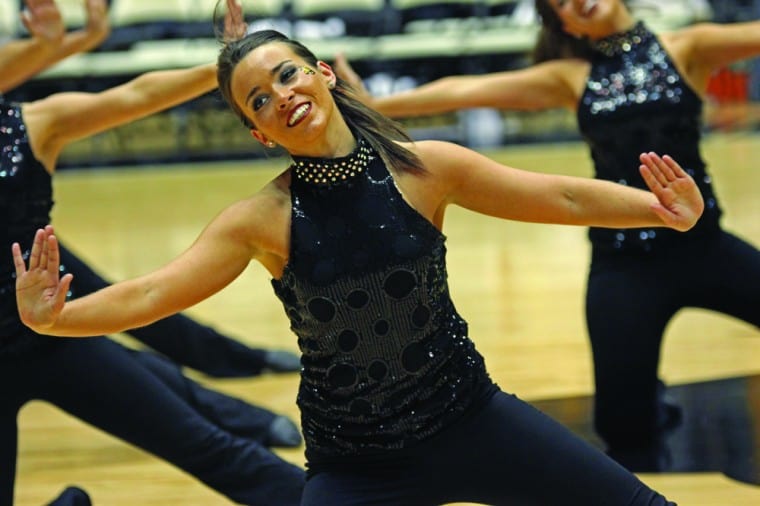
337	141
621	22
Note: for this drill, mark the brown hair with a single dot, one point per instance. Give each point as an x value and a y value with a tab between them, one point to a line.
553	41
377	130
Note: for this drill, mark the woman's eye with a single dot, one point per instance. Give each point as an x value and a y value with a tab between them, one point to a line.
287	74
259	102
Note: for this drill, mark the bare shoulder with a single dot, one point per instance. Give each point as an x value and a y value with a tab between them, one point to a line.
276	191
267	202
701	48
697	36
563	66
263	220
681	38
442	161
436	155
559	82
426	147
40	120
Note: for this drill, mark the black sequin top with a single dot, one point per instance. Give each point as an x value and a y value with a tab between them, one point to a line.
387	361
636	101
26	199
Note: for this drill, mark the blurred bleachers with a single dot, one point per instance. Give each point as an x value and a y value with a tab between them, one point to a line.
394	44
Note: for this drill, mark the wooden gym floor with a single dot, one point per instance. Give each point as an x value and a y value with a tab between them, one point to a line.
520	286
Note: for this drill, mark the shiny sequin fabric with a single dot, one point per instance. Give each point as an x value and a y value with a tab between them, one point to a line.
637	101
386	359
25	204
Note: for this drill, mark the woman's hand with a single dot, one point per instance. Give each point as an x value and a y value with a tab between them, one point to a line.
98	26
235	26
43	20
40	294
680	202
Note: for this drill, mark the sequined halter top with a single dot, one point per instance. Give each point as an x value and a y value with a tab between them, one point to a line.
387	361
26	199
636	101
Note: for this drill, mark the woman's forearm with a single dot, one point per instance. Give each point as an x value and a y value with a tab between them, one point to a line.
606	204
116	308
162	89
436	97
22	59
598	203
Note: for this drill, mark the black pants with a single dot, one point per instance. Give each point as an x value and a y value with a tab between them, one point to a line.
631	298
508	453
180	338
144	400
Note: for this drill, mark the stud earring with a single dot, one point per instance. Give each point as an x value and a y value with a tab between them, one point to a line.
271	144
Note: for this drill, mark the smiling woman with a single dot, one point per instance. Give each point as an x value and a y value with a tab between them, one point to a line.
397	406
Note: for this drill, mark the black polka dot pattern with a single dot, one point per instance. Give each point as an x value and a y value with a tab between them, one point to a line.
365	291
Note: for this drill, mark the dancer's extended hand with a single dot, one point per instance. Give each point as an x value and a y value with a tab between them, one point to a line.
680	202
40	294
98	24
43	20
235	26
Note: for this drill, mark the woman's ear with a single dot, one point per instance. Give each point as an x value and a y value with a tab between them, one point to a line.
328	73
262	139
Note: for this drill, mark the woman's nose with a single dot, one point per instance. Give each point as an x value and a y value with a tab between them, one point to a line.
284	95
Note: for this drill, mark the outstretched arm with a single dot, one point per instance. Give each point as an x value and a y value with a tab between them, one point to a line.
49	43
62	118
476	182
715	44
216	258
543	86
21	59
703	48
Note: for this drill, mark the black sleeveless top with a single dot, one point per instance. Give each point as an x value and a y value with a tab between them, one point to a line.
636	101
387	361
26	199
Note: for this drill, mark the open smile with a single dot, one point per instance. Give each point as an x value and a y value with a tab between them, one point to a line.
298	114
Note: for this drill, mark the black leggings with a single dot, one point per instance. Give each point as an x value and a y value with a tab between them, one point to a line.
144	400
507	453
180	338
630	300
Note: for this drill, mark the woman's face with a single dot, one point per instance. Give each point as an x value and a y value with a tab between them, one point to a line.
288	100
592	18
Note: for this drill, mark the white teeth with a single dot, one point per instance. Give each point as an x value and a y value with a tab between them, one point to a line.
298	114
588	5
